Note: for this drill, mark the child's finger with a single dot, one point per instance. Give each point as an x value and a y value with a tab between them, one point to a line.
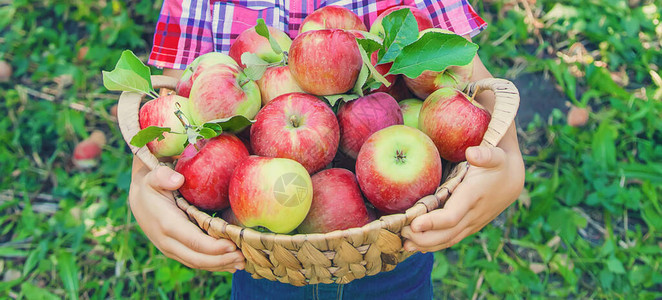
180	252
193	238
485	157
164	178
454	210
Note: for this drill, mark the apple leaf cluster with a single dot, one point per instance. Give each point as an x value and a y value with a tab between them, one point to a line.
411	54
256	66
131	75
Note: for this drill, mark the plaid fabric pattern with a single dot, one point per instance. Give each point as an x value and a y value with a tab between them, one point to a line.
187	29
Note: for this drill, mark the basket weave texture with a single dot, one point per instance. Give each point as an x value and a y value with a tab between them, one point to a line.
339	256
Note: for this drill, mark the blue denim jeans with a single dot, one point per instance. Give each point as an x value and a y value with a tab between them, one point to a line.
409	280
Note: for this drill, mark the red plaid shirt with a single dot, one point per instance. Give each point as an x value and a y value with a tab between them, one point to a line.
189	28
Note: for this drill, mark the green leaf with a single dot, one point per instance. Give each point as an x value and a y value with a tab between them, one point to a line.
130	74
208	133
434	51
262	29
373	72
614	265
31	291
231	124
66	266
361	80
255	66
125	81
603	146
400	29
333	99
149	134
369	45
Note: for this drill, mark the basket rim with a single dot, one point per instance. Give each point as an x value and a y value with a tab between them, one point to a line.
505	108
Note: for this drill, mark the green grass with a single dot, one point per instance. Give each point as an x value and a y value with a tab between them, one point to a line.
587	226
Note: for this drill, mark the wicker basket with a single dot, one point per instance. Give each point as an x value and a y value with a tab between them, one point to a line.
339	256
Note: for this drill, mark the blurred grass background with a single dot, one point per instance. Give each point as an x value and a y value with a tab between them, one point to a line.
587	224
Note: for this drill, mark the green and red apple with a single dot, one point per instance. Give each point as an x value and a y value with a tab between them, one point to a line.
207	168
325	62
332	17
250	41
198	65
364	116
297	126
160	112
277	81
396	167
410	110
337	203
223	91
275	193
454	122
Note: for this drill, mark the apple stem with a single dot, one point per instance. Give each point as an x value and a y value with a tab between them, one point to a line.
244	82
294	121
180	115
285	59
400	156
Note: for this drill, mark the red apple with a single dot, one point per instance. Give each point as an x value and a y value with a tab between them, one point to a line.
297	126
86	152
364	116
277	81
228	216
337	203
332	17
396	167
251	41
200	64
223	91
274	193
410	110
454	76
161	112
453	122
422	19
5	71
207	171
325	62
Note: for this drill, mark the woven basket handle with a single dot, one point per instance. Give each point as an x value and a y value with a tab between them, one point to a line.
128	107
506	103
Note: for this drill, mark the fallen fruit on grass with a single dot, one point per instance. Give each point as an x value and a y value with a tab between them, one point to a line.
5	71
577	116
86	152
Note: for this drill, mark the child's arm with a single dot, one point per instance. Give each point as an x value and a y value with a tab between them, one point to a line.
493	182
169	228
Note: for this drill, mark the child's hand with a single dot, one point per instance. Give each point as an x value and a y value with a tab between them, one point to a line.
494	180
169	228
